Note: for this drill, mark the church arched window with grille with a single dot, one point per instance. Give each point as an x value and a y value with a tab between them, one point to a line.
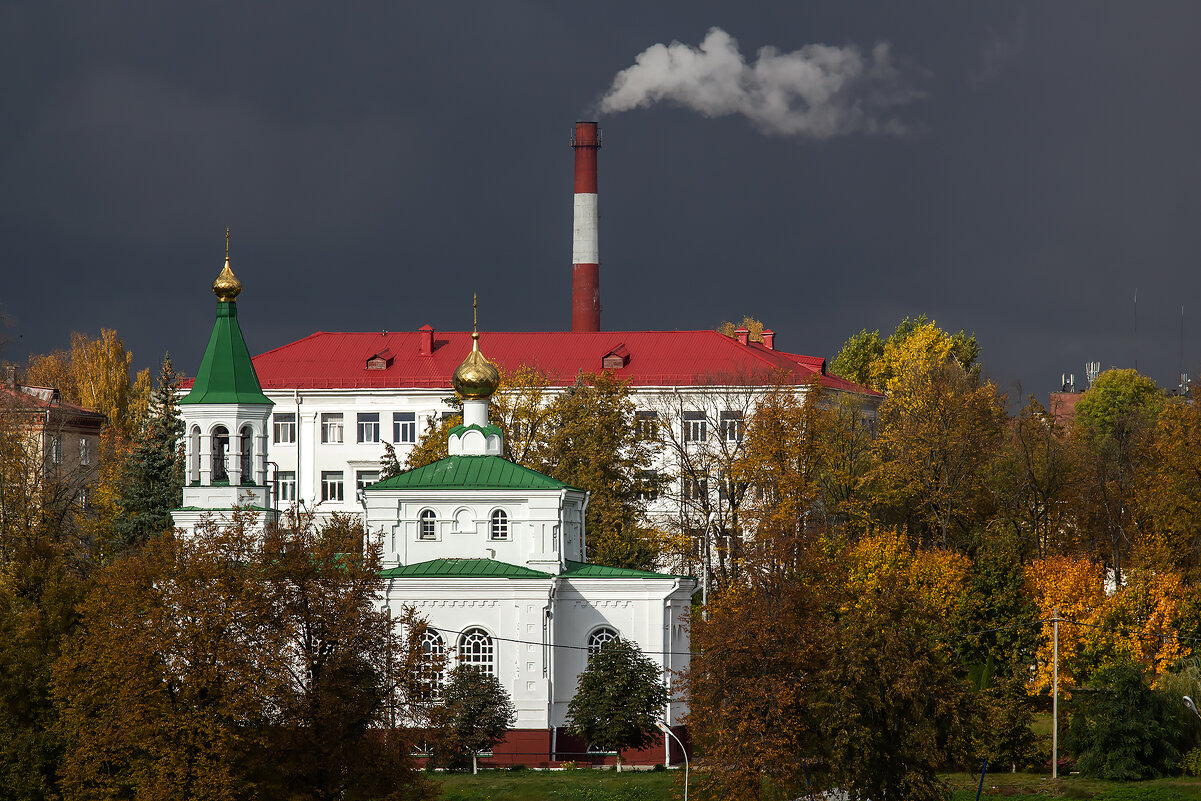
476	649
599	638
500	525
429	525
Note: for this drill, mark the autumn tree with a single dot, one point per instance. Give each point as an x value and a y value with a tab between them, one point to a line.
473	714
872	361
204	666
594	445
619	697
151	482
1169	489
40	589
1035	480
346	665
939	429
754	328
95	373
831	675
1114	424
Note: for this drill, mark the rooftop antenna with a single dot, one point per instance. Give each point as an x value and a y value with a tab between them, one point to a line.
1136	329
1092	370
1180	362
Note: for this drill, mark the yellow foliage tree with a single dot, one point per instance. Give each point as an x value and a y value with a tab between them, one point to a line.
1073	586
938	577
748	322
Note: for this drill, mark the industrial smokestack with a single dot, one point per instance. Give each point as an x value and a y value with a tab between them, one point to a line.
585	252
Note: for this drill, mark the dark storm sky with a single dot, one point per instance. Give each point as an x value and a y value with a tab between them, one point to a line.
377	165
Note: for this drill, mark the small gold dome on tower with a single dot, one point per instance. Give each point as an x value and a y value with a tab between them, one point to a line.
227	286
476	377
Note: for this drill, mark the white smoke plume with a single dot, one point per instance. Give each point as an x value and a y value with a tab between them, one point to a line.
816	92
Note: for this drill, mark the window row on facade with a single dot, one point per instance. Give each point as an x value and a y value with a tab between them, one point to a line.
498	525
477	648
56	450
367	427
694	426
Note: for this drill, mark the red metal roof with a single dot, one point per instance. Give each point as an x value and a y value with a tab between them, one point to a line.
333	360
31	399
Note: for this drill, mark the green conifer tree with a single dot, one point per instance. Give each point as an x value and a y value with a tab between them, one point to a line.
151	482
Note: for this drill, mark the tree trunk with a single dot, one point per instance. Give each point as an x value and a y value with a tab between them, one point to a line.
475	763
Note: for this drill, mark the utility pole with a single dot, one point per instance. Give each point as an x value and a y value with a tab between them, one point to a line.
1055	699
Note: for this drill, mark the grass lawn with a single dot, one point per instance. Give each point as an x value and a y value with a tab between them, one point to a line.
1030	786
608	785
560	785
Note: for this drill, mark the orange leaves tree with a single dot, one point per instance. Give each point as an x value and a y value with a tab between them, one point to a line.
232	666
1136	623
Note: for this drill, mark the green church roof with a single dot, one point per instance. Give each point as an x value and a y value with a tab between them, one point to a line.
464	568
226	373
585	570
470	472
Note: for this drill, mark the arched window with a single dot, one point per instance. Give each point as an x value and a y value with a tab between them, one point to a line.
194	458
475	648
220	451
600	638
500	525
433	652
246	461
429	525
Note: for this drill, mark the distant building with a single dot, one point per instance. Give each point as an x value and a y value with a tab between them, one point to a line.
56	460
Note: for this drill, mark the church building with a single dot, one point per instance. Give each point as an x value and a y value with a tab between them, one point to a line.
491	553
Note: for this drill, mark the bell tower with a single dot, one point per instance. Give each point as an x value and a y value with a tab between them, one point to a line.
225	422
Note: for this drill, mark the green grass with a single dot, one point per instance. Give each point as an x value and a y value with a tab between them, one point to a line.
608	785
1035	787
568	785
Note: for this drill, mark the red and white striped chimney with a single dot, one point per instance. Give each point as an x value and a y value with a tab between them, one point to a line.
585	252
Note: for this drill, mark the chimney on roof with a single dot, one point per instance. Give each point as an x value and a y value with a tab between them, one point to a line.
11	377
769	339
585	254
743	335
426	339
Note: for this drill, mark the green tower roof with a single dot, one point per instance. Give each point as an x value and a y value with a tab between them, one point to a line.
470	472
226	373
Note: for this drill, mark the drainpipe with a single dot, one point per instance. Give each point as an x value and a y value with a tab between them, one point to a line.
548	671
668	654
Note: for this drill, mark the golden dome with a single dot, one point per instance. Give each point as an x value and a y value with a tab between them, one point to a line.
227	286
476	377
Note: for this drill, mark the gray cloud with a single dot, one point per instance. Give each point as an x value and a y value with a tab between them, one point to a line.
816	92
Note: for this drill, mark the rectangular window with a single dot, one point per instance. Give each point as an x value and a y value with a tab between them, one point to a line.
447	415
287	484
56	449
362	478
331	428
85	451
331	485
404	427
284	428
368	426
696	489
648	485
646	425
731	427
85	500
694	427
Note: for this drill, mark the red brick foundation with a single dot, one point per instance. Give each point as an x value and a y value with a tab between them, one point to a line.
532	748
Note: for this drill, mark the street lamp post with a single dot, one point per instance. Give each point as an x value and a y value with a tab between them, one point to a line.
663	727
